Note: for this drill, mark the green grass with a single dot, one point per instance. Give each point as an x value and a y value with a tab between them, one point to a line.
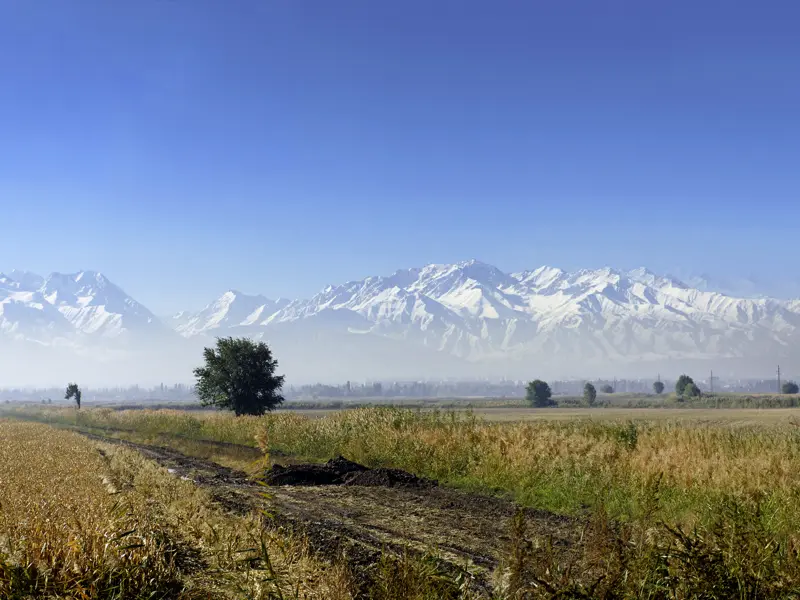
701	500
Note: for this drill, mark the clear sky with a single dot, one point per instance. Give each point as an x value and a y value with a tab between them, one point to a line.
184	147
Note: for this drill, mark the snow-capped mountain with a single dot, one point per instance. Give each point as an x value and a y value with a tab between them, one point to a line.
786	286
480	314
233	310
86	304
466	319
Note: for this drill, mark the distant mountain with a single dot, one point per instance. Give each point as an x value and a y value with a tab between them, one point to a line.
69	305
750	286
467	319
589	319
233	310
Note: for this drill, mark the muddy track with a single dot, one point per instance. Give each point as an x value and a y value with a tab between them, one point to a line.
464	531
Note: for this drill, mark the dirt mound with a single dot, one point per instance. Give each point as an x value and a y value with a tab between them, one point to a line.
302	475
340	471
341	465
388	478
331	473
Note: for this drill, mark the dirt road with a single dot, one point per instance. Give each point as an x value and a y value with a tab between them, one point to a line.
466	532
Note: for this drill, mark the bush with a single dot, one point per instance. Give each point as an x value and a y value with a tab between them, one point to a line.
658	387
607	389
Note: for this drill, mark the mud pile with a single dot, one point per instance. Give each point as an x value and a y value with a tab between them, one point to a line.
340	471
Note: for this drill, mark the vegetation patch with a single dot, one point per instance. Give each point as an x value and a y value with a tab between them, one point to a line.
80	519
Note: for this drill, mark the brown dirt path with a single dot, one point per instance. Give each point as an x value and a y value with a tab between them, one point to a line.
463	530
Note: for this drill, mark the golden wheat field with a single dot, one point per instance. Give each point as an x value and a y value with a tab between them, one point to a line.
86	520
700	505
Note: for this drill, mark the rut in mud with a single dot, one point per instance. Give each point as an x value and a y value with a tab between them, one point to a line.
347	510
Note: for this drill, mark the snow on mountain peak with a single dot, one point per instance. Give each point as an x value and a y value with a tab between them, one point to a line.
87	303
232	309
470	310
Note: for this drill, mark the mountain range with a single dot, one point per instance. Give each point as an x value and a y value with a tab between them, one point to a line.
468	319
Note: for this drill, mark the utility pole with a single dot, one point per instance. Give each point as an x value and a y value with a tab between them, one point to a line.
779	379
712	381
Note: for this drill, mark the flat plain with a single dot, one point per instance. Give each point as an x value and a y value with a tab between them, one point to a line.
527	503
508	414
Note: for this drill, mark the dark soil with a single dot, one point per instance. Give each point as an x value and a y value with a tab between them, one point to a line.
388	478
346	509
340	471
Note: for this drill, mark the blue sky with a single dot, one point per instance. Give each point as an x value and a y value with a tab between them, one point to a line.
184	147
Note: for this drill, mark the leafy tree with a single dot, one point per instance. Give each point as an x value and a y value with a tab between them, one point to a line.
680	385
658	387
589	393
790	387
691	391
538	394
607	389
239	375
73	391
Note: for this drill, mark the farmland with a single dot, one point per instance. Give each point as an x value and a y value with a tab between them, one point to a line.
613	502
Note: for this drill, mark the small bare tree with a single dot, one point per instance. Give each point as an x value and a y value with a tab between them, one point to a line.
73	391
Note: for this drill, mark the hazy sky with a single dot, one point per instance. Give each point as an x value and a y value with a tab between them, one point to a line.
183	147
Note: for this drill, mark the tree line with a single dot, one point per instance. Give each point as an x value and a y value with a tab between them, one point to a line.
240	375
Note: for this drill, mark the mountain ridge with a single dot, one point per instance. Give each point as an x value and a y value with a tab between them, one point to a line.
487	321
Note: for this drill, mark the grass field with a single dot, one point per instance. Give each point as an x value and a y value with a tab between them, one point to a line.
87	520
679	503
742	416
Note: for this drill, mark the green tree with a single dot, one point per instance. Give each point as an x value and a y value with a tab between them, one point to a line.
691	391
607	389
680	385
73	391
658	387
790	387
239	375
538	394
589	394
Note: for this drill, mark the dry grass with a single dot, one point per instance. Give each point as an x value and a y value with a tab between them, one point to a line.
733	416
559	459
705	503
79	523
64	527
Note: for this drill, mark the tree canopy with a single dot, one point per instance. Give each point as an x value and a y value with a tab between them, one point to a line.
607	389
691	390
658	387
680	385
538	393
589	393
73	391
239	375
790	387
